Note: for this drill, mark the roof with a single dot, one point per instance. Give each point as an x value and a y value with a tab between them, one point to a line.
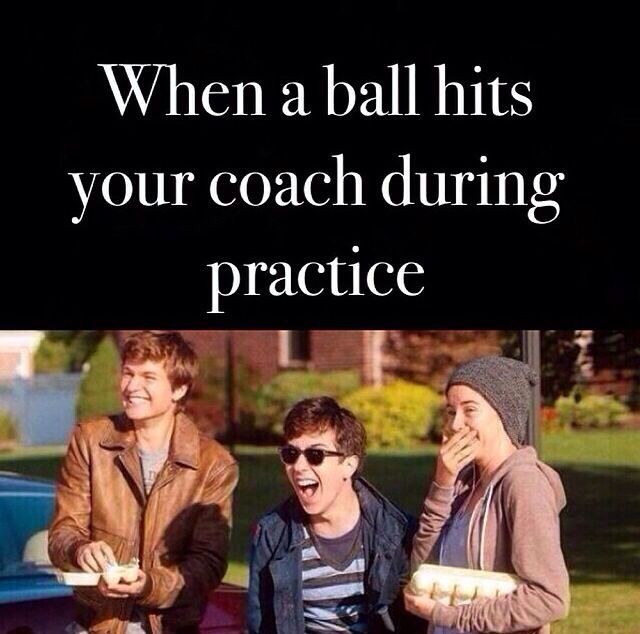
14	483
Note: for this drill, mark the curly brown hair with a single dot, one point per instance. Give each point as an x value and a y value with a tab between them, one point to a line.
317	415
171	349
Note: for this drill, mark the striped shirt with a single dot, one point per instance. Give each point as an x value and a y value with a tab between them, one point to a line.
333	591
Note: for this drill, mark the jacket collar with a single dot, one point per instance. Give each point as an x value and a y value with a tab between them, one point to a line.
380	513
184	448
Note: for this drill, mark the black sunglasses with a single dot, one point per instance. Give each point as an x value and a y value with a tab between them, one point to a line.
315	456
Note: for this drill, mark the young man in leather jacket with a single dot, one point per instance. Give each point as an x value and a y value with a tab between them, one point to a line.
145	484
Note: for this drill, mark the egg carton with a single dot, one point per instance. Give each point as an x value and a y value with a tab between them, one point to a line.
114	573
457	586
78	578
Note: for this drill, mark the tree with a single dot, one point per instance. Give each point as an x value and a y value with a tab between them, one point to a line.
80	345
51	356
99	391
558	355
429	356
618	350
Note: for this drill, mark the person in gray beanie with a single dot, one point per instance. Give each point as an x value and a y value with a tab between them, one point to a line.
506	384
492	505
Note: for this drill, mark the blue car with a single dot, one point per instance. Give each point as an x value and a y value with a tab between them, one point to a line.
27	580
31	599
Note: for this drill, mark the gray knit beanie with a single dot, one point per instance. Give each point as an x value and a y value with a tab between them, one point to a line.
506	384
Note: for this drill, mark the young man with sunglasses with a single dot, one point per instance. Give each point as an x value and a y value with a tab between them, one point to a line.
335	555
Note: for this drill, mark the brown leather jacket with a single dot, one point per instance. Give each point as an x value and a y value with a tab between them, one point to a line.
180	532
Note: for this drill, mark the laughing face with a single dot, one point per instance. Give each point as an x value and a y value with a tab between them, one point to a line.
320	487
146	391
468	409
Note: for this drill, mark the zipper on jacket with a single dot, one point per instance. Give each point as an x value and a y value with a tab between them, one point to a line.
128	605
143	515
141	525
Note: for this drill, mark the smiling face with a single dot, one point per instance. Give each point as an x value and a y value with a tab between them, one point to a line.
467	408
146	391
320	487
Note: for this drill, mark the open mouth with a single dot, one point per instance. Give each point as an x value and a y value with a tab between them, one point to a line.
307	487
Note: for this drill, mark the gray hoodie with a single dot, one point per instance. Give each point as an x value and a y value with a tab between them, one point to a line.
514	528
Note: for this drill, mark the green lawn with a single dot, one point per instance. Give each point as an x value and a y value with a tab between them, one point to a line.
600	526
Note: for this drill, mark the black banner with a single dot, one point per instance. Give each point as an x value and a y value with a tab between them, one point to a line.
511	192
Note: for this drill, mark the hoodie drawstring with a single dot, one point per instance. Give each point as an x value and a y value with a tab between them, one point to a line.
483	507
483	528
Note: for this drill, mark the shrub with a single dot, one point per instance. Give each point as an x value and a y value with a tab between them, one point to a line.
208	404
550	420
633	398
590	411
208	416
51	356
211	385
397	414
8	427
274	399
435	431
99	391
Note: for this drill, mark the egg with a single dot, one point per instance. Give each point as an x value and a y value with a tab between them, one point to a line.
422	582
129	573
441	597
486	588
443	590
446	584
112	575
465	591
506	587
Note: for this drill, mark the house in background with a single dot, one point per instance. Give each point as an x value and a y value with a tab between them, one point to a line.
609	363
426	356
43	405
17	348
268	352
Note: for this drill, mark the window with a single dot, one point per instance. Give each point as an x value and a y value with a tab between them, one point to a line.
295	348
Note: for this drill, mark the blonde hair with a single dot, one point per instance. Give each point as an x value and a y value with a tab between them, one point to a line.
171	349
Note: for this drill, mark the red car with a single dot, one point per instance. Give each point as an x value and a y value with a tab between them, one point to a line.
31	599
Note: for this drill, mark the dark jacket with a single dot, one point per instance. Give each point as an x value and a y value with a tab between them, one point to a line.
180	532
275	584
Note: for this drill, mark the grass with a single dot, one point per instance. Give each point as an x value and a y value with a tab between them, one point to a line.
600	470
618	448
